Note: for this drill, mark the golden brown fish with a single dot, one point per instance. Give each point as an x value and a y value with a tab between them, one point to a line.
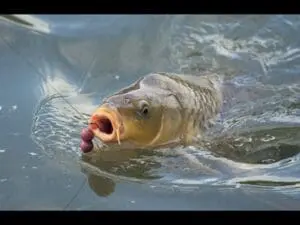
157	110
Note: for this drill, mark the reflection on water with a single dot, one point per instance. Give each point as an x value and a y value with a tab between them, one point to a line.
263	146
256	139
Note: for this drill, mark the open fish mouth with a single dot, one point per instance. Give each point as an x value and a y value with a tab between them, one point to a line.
106	124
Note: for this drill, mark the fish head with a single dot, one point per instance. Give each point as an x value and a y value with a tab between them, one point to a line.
135	117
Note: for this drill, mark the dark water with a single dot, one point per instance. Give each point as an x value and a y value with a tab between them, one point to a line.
56	69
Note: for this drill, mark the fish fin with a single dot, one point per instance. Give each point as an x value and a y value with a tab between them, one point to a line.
190	137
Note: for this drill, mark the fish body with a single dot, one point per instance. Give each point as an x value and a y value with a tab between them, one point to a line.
158	110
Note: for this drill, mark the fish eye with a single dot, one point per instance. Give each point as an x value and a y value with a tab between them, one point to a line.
144	108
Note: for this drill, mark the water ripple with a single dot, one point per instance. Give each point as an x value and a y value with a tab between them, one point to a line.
257	139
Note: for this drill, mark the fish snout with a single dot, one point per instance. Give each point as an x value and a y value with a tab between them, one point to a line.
106	124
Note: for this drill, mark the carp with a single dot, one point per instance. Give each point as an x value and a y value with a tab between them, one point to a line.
157	110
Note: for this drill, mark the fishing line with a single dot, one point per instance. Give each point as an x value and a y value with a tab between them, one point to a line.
62	97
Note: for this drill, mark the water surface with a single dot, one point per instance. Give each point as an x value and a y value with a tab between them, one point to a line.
56	69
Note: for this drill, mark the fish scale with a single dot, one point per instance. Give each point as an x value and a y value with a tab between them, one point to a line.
201	97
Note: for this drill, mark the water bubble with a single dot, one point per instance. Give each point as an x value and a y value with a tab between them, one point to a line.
14	107
244	139
239	144
194	148
2	150
238	185
3	180
241	141
268	138
268	161
32	153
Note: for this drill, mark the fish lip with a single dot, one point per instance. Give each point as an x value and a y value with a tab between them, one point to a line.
114	117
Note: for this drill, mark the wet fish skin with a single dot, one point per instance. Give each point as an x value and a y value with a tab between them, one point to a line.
181	107
200	98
